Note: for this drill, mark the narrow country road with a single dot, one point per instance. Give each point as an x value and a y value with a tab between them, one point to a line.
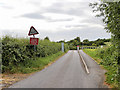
67	72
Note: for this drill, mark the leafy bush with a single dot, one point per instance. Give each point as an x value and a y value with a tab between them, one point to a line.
73	47
17	52
109	58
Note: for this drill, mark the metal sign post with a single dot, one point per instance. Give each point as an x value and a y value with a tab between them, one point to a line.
34	45
62	47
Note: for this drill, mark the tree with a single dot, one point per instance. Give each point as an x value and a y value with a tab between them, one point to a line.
86	40
111	17
78	39
46	38
100	43
110	11
61	41
94	44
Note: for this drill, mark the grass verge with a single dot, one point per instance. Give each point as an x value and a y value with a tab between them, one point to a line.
37	64
25	71
105	59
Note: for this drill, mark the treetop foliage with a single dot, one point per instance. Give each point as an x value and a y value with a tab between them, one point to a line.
110	12
46	38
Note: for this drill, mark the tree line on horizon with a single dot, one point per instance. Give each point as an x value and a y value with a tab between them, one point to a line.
76	41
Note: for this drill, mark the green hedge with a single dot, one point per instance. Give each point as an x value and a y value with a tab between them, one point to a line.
16	51
109	57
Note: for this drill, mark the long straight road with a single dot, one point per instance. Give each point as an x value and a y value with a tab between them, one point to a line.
66	72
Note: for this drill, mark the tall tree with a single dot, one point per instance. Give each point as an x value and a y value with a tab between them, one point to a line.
110	11
77	38
86	40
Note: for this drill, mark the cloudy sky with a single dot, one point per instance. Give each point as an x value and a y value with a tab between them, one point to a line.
57	19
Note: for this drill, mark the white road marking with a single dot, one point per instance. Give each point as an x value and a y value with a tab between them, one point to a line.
86	68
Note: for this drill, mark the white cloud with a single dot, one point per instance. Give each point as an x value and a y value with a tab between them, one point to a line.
47	16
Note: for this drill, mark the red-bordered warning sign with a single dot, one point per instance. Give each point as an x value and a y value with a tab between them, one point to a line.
34	41
32	31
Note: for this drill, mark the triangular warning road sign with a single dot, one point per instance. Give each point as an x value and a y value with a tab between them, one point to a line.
32	31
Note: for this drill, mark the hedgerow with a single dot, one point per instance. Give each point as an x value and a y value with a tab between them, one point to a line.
109	58
17	52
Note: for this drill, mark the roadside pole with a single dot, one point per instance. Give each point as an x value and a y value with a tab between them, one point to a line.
34	45
62	47
78	47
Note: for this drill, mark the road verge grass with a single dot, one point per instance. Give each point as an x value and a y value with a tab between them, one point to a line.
23	72
106	58
18	53
37	64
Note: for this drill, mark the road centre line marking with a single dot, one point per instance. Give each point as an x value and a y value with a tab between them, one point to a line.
86	68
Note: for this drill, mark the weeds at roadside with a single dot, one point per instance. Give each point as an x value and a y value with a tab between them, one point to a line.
107	57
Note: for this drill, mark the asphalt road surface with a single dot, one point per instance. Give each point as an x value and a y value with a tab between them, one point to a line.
66	72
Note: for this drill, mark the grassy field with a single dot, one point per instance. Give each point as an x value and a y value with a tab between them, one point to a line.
93	53
108	43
